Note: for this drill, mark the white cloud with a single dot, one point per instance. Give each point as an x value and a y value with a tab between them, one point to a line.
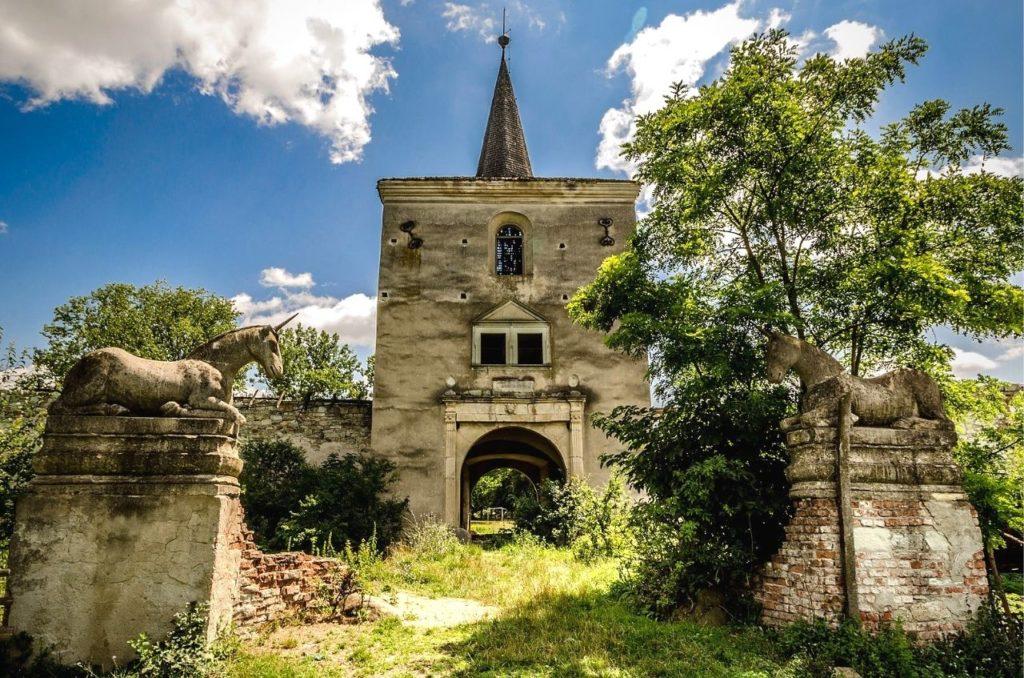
970	364
279	277
1012	353
484	18
467	18
352	318
4	228
303	61
677	50
1004	167
852	39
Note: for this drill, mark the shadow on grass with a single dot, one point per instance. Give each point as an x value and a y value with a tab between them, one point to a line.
595	634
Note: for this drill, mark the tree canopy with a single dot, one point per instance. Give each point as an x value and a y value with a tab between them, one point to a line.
154	321
774	207
318	365
771	197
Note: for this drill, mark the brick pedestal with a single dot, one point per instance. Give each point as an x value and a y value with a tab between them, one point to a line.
915	539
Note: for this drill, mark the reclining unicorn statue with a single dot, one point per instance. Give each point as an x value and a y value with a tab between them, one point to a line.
903	398
112	381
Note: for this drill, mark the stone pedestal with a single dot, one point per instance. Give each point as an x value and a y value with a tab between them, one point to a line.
129	520
914	537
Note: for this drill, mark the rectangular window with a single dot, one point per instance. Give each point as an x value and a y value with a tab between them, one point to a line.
492	348
530	349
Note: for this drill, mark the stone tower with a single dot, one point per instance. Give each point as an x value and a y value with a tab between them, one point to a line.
478	365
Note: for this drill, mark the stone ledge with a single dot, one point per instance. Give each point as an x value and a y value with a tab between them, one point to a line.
137	447
128	425
877	455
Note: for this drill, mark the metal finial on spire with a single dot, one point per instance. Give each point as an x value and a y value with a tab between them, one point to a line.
503	39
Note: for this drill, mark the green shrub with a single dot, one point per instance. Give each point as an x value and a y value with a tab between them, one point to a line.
290	504
990	647
575	515
887	653
274	479
184	652
348	503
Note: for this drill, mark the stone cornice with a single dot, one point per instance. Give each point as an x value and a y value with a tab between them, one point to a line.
473	190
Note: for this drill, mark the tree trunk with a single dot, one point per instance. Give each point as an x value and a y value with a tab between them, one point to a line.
997	579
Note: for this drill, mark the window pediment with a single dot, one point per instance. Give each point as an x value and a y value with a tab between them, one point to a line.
510	311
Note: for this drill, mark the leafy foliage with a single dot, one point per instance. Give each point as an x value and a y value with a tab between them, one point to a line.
317	365
347	504
184	652
153	321
275	478
990	451
22	415
573	514
290	503
989	647
774	208
502	487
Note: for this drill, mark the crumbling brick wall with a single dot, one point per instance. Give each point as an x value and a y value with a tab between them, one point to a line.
804	580
275	586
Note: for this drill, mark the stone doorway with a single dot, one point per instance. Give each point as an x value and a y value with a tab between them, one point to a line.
513	447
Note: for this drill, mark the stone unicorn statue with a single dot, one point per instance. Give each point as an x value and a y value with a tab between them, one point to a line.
112	381
903	398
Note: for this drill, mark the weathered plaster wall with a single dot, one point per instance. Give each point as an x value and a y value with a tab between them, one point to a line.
321	429
424	323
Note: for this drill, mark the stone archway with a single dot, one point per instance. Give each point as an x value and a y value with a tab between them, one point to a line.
513	447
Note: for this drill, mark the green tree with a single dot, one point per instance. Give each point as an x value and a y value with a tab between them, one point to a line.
22	415
989	415
154	321
317	365
275	478
773	207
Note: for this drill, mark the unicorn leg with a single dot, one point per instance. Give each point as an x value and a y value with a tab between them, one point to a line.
214	403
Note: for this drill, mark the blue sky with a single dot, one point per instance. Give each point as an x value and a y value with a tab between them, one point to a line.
237	149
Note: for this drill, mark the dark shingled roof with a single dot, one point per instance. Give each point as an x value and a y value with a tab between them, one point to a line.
504	150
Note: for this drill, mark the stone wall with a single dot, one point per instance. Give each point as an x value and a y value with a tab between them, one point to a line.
323	428
918	550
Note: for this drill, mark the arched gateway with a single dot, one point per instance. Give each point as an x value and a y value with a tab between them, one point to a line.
513	447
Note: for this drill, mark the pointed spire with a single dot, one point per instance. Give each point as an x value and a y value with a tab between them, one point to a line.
504	150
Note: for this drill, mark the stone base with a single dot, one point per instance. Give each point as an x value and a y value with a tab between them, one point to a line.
918	551
127	523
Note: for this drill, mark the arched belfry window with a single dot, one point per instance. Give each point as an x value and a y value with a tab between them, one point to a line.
508	251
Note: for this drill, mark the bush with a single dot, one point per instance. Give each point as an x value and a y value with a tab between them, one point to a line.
290	504
713	464
348	503
574	515
185	651
274	479
990	647
429	537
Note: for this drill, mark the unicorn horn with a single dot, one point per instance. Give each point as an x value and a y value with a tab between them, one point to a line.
277	328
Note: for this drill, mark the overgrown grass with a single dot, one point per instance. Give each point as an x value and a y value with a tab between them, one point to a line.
557	616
